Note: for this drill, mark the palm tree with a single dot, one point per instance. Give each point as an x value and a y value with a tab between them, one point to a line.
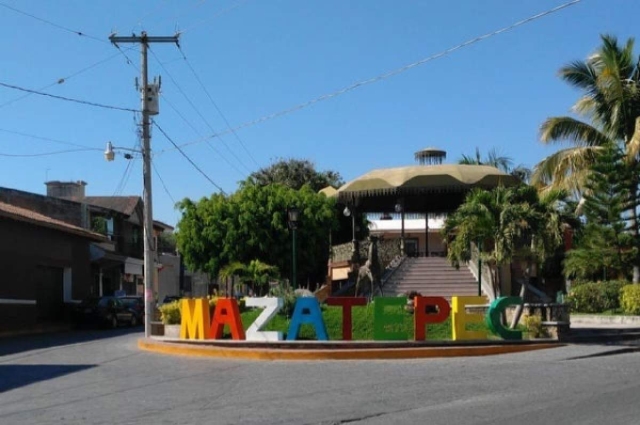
610	81
256	274
505	221
501	162
493	159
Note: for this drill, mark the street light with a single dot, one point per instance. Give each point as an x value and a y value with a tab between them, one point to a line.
149	307
293	214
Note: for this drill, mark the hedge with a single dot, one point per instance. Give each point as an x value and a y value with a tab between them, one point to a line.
596	297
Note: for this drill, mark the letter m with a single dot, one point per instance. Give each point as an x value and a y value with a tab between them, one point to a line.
195	318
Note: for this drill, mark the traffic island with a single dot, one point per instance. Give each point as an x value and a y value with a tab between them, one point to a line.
338	350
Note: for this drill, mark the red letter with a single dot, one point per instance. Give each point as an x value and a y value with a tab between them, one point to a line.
226	313
347	303
421	317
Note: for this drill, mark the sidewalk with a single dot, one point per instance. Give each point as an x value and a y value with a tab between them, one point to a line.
580	321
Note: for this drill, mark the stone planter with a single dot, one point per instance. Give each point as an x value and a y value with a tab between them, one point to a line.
172	331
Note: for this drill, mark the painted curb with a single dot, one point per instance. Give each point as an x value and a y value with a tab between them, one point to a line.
233	353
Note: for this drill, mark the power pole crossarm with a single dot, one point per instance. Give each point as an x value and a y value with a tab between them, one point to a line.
149	248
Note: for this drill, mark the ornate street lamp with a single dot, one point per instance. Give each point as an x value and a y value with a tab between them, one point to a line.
293	214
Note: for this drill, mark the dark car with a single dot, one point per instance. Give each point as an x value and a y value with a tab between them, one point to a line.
135	304
105	311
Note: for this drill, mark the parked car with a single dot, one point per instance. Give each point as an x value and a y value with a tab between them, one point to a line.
105	311
135	304
169	299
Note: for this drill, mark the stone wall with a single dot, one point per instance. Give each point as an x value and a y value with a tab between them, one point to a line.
387	250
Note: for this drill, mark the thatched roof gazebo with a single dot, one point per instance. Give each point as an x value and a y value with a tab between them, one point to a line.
429	188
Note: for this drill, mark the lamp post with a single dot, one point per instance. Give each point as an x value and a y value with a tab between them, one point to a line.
149	248
354	242
293	214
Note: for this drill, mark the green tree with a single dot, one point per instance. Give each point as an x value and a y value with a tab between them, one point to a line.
501	162
504	223
295	173
252	224
604	249
610	82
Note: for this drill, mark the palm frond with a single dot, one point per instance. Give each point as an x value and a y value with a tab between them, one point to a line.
557	129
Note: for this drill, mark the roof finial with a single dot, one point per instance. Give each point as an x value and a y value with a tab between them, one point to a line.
430	156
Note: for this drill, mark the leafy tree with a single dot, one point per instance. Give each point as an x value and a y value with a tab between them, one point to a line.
295	173
610	81
504	222
252	224
605	248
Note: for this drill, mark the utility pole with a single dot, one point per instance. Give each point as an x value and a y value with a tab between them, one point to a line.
147	98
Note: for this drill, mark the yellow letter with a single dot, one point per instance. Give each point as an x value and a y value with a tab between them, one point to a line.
195	319
460	318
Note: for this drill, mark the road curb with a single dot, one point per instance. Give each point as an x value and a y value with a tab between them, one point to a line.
381	353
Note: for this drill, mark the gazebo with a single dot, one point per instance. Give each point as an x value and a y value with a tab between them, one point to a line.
426	189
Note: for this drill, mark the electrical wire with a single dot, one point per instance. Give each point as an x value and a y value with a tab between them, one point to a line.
188	159
53	24
68	99
173	80
65	79
32	155
195	130
224	118
48	139
388	74
164	186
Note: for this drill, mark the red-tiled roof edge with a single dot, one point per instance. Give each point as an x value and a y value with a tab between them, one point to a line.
28	216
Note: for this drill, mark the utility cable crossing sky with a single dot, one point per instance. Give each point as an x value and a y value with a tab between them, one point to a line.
383	76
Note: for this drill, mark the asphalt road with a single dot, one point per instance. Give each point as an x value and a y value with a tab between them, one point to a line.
102	378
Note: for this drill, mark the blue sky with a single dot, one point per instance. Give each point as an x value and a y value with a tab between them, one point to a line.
258	57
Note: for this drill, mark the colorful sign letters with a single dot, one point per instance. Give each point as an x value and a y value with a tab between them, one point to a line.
388	317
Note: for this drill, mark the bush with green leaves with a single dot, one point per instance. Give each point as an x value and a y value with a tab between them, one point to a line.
288	296
534	327
630	299
170	313
595	297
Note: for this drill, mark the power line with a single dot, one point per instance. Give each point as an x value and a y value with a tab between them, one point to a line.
68	99
198	111
189	159
164	186
389	73
53	24
48	139
31	155
65	79
204	88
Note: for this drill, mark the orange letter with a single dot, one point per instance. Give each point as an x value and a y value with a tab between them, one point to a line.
347	303
421	317
226	313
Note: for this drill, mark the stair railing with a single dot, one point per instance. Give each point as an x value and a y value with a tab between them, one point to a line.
485	285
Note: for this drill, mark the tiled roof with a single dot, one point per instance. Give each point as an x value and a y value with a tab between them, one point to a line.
32	217
122	204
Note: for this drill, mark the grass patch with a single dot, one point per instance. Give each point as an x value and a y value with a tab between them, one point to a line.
362	319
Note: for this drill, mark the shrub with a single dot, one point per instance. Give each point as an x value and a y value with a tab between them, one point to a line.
533	324
596	297
170	313
288	296
630	299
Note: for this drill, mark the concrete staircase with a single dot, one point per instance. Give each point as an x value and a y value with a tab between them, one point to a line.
431	276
